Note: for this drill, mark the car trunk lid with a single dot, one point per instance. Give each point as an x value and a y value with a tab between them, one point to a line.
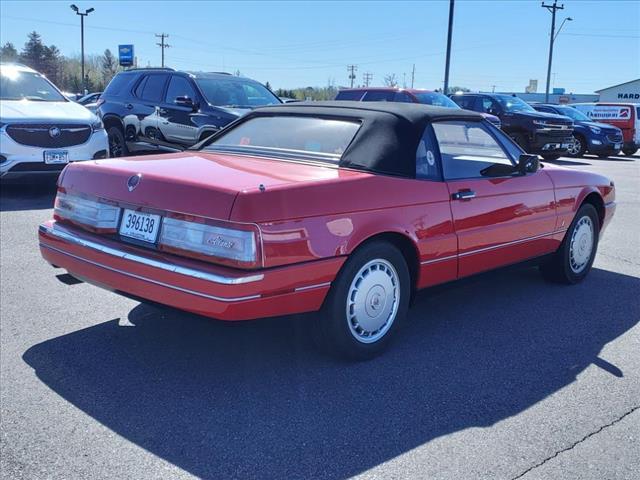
191	183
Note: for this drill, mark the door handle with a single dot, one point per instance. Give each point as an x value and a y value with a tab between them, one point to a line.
463	195
128	106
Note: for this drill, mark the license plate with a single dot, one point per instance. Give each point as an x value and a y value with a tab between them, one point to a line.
140	225
618	146
56	156
565	145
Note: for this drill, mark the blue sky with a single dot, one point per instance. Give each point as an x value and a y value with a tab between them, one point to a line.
295	44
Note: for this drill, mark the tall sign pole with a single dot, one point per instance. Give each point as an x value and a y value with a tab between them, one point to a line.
446	65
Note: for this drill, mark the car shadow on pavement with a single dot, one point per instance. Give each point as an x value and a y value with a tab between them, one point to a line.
37	194
257	400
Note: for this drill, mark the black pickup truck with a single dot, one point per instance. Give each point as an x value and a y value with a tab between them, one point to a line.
539	133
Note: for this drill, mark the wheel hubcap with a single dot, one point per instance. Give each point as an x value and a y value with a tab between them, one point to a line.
372	301
581	245
574	147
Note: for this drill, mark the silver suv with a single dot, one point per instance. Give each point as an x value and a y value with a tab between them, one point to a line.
41	130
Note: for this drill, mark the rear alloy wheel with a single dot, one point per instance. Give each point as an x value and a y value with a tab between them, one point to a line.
117	145
573	260
577	147
367	302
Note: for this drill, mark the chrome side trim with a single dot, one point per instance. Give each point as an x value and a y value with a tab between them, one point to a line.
311	287
439	259
508	244
189	272
149	280
493	247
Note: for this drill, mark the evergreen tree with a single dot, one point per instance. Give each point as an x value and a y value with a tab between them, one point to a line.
109	66
8	53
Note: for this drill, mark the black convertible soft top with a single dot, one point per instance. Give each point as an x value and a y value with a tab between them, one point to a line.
389	134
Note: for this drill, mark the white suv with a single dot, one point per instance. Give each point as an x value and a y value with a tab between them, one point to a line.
41	130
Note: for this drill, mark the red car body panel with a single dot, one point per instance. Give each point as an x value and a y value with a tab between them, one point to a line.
311	218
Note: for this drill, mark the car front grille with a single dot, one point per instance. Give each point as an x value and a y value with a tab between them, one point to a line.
614	138
49	135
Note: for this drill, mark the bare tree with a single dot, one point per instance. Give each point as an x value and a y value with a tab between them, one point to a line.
390	80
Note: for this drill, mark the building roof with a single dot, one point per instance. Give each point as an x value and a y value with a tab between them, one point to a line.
619	85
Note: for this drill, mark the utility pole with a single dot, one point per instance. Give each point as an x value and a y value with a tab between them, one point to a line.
352	69
493	89
446	65
82	15
552	9
162	44
366	78
413	74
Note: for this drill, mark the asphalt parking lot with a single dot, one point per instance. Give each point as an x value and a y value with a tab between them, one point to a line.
502	376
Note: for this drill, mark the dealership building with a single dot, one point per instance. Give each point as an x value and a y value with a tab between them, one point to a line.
624	92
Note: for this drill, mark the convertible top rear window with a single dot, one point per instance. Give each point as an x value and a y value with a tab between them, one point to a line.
320	138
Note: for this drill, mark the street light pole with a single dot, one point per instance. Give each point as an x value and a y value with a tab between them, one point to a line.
552	9
82	15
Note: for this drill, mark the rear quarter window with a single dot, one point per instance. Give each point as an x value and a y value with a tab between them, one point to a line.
119	84
349	95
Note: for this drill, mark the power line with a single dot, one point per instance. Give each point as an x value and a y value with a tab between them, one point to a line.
366	78
352	75
162	44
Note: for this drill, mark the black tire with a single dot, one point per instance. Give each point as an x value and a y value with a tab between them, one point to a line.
628	151
551	156
558	268
521	140
338	334
117	144
581	149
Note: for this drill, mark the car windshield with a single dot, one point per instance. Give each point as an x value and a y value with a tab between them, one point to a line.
235	93
285	135
20	85
514	104
573	114
437	99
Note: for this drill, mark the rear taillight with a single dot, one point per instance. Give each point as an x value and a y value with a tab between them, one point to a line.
237	245
94	214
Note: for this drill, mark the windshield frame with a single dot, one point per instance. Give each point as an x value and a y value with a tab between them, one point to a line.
504	99
419	95
253	83
582	117
18	71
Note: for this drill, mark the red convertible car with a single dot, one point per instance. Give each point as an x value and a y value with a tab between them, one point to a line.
346	208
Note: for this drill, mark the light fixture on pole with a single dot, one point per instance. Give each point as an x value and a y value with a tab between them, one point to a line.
82	15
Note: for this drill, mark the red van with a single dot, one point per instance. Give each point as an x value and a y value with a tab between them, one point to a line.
625	116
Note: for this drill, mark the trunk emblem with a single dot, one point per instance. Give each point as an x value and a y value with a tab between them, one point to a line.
134	181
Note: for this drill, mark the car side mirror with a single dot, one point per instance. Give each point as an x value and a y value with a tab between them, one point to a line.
528	163
184	102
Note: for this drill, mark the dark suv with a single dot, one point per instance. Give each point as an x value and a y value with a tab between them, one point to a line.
538	133
160	108
599	139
